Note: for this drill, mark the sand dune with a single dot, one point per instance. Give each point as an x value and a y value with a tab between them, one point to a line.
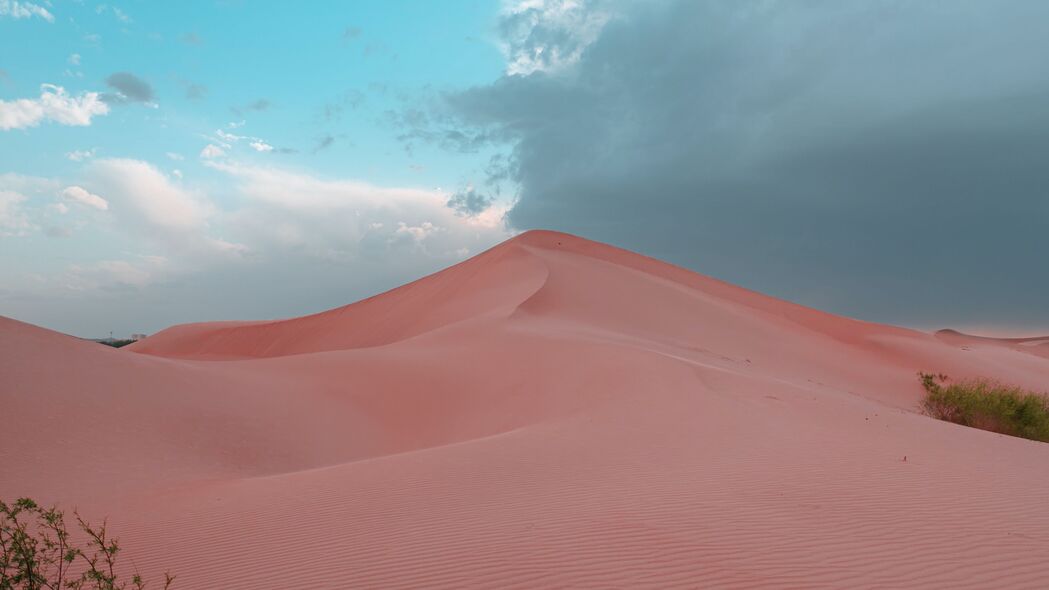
1034	344
551	413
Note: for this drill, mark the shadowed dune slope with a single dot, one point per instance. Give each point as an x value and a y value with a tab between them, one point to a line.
553	412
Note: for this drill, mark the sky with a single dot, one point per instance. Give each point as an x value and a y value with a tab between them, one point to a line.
164	163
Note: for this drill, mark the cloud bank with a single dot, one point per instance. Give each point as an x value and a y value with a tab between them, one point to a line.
273	242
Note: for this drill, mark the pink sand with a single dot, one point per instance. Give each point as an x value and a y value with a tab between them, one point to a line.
551	413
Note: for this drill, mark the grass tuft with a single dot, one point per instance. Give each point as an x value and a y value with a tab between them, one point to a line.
987	405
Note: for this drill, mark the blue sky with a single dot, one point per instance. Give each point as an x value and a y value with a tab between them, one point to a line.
173	162
273	71
316	93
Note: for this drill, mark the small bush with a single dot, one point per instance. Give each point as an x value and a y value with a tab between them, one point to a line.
117	343
36	552
987	405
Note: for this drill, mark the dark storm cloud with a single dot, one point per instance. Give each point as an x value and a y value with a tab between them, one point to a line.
469	202
129	88
880	159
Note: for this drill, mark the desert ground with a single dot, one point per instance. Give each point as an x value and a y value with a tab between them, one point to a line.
553	412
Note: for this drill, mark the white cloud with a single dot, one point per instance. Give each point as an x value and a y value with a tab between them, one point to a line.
176	173
81	155
17	10
55	105
212	151
145	196
416	233
548	35
225	140
82	196
304	192
174	156
74	59
119	14
59	208
228	138
13	220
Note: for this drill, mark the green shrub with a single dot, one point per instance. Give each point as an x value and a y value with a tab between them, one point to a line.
987	405
37	553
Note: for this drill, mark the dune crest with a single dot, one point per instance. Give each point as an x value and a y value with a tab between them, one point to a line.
553	412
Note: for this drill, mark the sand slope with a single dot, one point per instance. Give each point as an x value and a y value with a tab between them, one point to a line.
551	413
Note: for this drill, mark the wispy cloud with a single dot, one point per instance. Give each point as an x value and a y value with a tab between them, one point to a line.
351	33
212	151
324	143
118	14
121	15
81	155
258	105
18	10
224	140
196	91
13	220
